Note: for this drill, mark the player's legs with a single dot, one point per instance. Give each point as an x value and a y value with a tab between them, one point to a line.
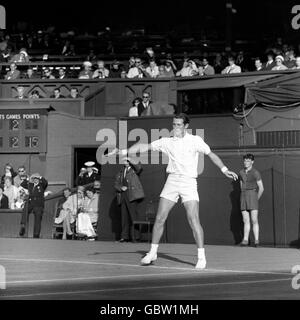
246	220
192	211
164	208
255	225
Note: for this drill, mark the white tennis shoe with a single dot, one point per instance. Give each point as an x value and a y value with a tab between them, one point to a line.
201	263
148	259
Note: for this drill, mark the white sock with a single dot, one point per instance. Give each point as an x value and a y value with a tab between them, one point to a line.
201	253
154	248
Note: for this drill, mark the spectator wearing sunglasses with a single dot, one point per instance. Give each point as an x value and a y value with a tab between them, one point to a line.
144	107
137	71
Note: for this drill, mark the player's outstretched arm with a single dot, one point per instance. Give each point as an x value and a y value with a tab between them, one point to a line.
218	162
138	147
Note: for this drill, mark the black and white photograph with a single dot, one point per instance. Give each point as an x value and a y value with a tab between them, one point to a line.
149	155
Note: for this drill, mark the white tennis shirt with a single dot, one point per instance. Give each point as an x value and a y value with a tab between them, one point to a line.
183	153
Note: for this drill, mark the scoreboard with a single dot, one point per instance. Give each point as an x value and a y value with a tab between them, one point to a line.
23	130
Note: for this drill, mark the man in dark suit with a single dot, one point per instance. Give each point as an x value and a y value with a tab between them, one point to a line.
144	106
35	203
129	191
270	63
3	198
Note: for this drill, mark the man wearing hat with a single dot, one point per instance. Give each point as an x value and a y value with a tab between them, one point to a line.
35	203
86	73
90	175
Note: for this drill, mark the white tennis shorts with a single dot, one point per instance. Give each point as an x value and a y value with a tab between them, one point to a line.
180	186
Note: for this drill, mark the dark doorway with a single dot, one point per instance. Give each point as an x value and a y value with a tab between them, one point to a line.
82	155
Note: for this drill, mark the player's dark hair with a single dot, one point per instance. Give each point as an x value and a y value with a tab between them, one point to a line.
182	116
249	156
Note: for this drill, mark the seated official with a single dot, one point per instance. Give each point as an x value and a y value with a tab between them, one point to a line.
3	198
67	212
89	216
21	198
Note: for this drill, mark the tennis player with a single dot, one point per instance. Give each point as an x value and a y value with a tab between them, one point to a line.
183	152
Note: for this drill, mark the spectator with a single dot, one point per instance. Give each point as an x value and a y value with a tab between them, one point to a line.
21	57
115	70
270	62
80	198
189	69
11	192
97	186
129	191
61	74
144	107
123	74
88	218
162	72
206	69
133	111
218	63
20	93
21	199
137	71
170	68
35	94
67	212
48	74
241	61
90	176
74	94
290	60
80	178
297	63
36	188
13	73
101	72
57	94
91	56
86	73
22	178
279	63
30	74
70	51
258	65
131	63
152	70
232	68
3	198
8	172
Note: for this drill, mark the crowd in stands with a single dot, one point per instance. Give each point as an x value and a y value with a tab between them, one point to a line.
151	61
14	186
79	208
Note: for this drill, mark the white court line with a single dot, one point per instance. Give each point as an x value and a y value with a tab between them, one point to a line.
98	278
207	270
143	288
